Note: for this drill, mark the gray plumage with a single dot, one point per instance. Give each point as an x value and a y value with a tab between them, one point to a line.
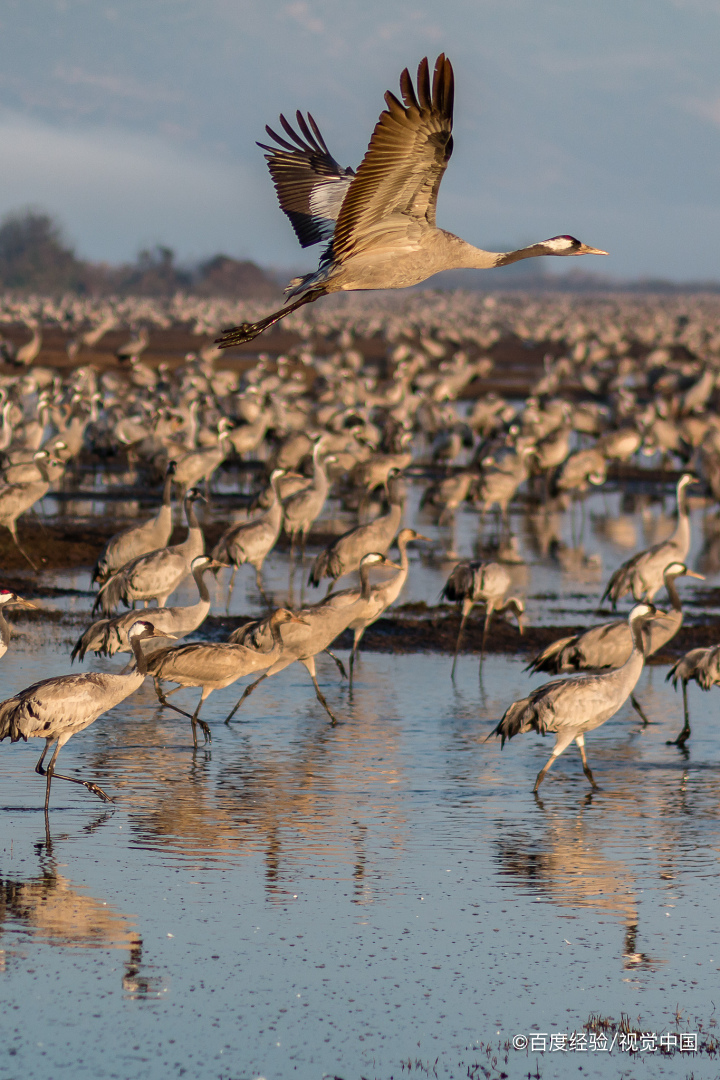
109	636
610	645
323	622
701	666
301	509
487	583
199	465
344	554
571	707
252	541
139	539
215	665
378	598
155	575
16	499
379	224
642	576
56	709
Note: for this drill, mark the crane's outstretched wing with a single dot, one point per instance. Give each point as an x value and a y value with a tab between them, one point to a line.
309	182
400	175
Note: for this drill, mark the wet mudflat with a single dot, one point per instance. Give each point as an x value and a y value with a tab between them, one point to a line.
380	899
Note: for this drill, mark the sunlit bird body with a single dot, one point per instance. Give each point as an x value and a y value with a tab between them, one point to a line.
139	539
379	223
156	575
487	583
56	709
643	574
572	707
109	636
213	666
701	666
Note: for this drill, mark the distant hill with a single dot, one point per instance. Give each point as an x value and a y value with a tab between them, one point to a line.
36	257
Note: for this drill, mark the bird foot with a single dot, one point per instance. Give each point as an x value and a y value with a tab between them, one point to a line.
205	730
96	790
236	335
680	741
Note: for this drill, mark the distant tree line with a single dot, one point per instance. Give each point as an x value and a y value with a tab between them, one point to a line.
36	257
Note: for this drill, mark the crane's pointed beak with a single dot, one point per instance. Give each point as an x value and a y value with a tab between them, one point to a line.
691	573
585	249
23	603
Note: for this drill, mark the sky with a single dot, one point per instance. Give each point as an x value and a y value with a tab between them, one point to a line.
134	121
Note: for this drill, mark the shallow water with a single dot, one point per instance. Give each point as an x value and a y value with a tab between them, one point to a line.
380	899
563	560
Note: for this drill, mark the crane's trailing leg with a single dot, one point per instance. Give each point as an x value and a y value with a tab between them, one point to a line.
466	609
246	693
580	740
340	665
197	722
562	744
237	335
50	773
685	733
13	533
639	710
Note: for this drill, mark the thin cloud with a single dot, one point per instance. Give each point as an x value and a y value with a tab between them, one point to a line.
121	85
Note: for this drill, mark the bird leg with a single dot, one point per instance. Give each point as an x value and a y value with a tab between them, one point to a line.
50	773
321	698
685	733
236	335
261	590
638	709
230	589
486	627
164	701
340	665
560	745
196	721
24	553
466	609
580	740
246	693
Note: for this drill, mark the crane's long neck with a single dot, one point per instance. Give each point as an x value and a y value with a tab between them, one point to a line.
199	576
674	595
320	480
474	258
365	590
273	514
277	641
140	667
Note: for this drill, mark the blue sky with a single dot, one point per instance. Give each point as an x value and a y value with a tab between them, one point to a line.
134	121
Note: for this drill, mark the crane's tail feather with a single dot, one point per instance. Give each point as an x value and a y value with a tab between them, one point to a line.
551	659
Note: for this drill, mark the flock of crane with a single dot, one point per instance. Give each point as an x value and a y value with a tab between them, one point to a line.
324	425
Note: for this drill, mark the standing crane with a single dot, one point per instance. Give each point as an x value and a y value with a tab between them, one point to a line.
701	666
138	539
345	554
379	597
379	223
157	574
643	574
571	707
56	709
610	645
252	541
105	637
472	583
